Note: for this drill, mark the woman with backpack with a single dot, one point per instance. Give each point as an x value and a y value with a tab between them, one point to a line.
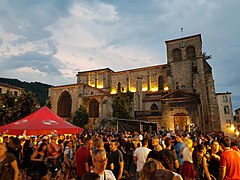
69	160
8	164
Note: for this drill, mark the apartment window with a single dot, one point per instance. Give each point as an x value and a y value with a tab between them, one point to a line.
225	99
226	110
15	93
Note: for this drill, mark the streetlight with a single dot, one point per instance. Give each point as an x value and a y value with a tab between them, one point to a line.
237	134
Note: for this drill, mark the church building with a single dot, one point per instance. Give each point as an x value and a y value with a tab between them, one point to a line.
174	95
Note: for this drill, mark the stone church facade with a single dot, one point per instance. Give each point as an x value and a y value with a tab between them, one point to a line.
174	95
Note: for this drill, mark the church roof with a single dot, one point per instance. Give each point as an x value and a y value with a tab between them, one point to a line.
184	38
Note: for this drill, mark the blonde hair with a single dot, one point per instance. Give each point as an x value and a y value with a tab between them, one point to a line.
150	166
188	142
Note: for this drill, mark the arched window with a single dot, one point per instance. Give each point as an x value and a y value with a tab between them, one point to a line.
191	52
160	83
118	87
64	107
177	55
154	107
94	108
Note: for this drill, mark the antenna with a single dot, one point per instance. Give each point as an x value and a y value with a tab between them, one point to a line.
182	31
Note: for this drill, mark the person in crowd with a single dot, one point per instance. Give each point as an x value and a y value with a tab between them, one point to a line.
129	154
53	147
140	156
229	161
69	160
179	146
42	139
149	166
99	144
200	163
99	159
90	176
39	161
8	164
162	174
172	156
188	171
6	140
28	150
155	142
14	147
116	160
234	145
214	159
82	157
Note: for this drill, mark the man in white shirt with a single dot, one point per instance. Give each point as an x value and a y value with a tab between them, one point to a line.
140	155
99	159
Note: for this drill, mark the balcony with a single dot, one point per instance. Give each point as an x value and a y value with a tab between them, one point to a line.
145	114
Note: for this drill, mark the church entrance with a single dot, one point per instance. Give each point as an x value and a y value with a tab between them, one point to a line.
180	121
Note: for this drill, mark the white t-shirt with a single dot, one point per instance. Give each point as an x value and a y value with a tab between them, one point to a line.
141	153
107	175
187	155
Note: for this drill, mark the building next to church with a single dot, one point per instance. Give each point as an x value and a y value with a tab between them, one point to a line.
226	113
13	89
174	95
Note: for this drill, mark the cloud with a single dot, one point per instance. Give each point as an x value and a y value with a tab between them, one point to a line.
51	41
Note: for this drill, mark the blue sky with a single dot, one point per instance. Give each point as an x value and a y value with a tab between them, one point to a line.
51	40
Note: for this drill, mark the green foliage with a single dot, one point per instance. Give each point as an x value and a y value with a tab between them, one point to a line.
49	104
39	89
205	56
121	105
13	107
81	117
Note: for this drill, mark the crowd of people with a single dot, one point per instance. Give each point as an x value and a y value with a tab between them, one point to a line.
109	155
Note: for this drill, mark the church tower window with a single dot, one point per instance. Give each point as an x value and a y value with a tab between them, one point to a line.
94	108
160	83
64	104
177	55
191	52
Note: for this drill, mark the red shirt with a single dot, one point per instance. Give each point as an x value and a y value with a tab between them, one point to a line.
231	160
82	157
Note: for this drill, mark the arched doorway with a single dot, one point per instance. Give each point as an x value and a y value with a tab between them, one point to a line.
180	121
64	106
94	108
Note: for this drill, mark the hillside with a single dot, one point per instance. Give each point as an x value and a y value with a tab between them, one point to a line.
39	89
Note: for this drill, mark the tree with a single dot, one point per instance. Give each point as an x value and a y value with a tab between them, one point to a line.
122	105
14	107
81	117
49	104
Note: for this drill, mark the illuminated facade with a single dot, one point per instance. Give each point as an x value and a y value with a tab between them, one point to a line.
226	112
174	95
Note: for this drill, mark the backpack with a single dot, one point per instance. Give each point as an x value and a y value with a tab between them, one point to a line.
7	172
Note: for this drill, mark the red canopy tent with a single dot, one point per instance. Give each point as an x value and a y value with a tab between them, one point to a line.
42	121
